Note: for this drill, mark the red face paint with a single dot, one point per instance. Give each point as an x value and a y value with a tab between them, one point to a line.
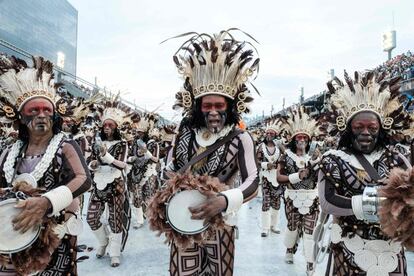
302	137
213	103
109	124
37	114
214	109
38	107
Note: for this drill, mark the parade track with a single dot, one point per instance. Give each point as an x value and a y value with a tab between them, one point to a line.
146	254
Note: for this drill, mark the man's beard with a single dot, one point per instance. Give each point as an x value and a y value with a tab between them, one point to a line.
301	145
109	132
215	124
38	125
364	143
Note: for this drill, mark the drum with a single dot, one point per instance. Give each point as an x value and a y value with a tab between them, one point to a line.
31	251
168	209
179	216
12	241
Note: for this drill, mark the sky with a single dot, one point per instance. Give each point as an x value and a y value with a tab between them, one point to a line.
299	41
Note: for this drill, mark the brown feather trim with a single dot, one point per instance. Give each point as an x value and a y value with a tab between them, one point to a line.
397	210
38	255
157	209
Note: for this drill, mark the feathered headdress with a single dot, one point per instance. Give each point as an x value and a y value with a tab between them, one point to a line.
216	65
113	110
168	133
155	132
367	92
78	108
275	125
299	122
147	122
20	83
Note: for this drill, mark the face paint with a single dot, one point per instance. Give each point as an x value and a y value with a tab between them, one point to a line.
270	135
109	127
301	141
365	128
214	109
37	114
67	124
215	120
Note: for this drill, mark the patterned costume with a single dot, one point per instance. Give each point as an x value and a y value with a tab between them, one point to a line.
60	171
143	176
271	189
230	159
359	247
216	65
301	195
110	191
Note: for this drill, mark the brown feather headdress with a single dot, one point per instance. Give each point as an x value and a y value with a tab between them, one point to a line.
368	91
299	121
20	83
216	65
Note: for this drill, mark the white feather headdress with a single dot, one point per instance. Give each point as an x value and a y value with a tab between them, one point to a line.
275	125
216	65
299	122
20	83
367	92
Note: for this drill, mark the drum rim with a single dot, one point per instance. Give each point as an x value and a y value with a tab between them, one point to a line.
13	200
177	229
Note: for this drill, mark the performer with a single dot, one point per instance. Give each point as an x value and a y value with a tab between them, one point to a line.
140	158
72	123
268	154
216	73
77	111
41	157
153	168
109	158
297	170
366	112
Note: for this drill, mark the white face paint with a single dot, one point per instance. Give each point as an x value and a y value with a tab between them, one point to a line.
37	114
214	109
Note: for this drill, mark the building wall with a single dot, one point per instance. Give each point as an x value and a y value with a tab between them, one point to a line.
41	27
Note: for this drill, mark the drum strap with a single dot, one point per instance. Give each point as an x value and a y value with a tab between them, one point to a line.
209	150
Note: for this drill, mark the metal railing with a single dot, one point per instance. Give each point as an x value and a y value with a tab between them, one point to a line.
75	78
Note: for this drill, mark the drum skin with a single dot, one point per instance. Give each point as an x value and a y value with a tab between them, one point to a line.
178	215
12	241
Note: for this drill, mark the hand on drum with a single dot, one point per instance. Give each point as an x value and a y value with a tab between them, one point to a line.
214	205
303	173
94	164
33	211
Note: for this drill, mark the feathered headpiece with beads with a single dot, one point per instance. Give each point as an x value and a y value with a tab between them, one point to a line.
20	83
298	121
368	91
216	65
112	109
275	125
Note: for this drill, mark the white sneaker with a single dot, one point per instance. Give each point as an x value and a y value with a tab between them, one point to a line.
275	230
100	252
289	258
115	261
